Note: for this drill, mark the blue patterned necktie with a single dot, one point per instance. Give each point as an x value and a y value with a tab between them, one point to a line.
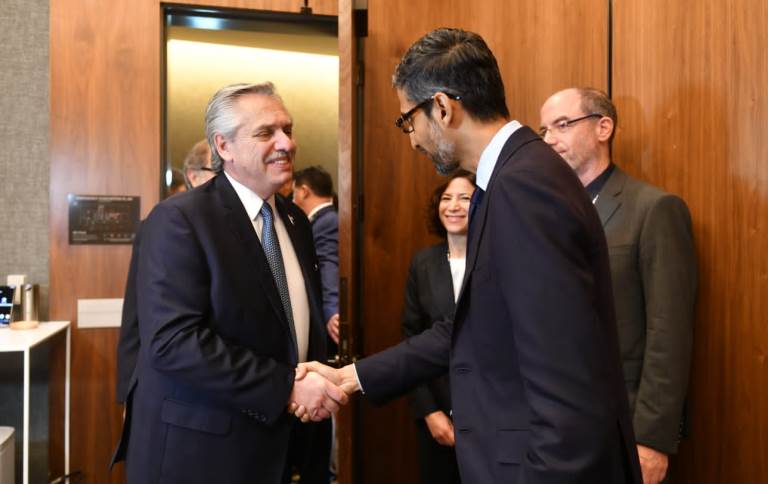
275	258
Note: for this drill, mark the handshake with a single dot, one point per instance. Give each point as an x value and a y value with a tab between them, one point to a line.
320	390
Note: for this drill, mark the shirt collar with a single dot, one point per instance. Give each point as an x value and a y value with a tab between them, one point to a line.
491	153
249	199
317	209
594	187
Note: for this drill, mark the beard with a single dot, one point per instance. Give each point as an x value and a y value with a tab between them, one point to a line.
444	155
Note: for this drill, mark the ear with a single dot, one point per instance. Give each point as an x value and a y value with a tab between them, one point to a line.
222	147
444	109
605	128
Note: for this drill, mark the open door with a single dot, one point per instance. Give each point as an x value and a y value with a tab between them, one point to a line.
348	229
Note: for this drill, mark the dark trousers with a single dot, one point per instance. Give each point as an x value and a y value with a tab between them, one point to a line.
437	463
309	453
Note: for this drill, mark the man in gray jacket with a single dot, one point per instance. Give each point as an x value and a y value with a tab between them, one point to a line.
653	270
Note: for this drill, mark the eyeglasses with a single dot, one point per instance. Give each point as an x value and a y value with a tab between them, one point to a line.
563	125
404	120
207	168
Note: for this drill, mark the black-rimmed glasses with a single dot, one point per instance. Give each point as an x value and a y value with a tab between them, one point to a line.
563	125
404	120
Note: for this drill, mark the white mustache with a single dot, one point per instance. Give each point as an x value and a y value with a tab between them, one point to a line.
280	155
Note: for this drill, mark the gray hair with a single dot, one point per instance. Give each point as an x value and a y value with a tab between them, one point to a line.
196	159
596	101
221	118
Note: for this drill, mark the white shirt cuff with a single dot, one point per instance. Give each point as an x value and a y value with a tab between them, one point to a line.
359	385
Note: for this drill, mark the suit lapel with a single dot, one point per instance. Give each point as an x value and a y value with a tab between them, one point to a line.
519	138
238	221
609	199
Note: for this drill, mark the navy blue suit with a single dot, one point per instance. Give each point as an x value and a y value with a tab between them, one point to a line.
216	360
536	384
325	232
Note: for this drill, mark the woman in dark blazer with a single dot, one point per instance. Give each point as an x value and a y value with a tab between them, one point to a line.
434	281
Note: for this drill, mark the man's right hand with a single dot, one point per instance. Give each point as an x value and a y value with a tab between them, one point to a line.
441	428
316	397
345	378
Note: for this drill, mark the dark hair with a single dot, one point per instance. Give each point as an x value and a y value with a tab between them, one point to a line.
434	225
317	179
458	63
596	101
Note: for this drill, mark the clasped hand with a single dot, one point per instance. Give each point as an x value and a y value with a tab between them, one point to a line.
319	390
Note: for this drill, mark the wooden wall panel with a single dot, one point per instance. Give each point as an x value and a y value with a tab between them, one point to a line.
104	140
105	125
690	86
541	47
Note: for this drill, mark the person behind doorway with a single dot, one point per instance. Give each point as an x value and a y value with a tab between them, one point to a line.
434	281
197	165
313	193
653	270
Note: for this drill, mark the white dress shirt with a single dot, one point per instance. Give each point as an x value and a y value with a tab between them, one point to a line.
457	274
297	290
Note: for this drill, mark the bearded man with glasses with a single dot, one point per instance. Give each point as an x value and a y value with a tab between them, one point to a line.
532	355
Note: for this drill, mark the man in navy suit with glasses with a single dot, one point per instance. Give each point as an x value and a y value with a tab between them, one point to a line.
532	356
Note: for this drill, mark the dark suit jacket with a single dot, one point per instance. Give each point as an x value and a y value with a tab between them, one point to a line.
216	360
536	384
128	344
325	232
653	268
428	298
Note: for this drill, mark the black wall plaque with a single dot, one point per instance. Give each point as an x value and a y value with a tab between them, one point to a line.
102	219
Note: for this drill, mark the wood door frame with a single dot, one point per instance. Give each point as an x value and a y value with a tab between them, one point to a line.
348	229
